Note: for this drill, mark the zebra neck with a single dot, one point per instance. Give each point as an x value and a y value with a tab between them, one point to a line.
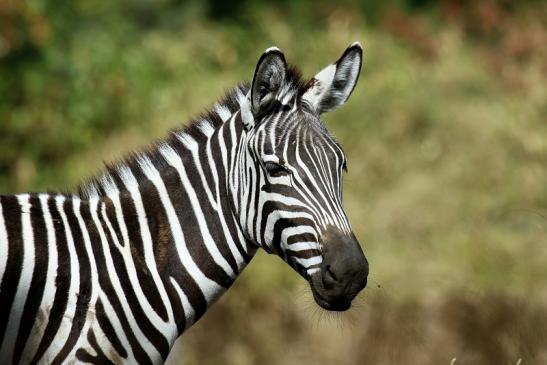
171	209
191	204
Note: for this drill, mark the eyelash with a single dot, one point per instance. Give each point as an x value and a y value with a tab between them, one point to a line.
275	170
344	167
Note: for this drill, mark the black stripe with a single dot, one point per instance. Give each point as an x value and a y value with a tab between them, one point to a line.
301	237
227	203
108	330
167	257
190	226
256	201
62	283
12	218
107	288
84	356
189	286
111	214
304	254
37	286
84	294
212	218
142	320
144	276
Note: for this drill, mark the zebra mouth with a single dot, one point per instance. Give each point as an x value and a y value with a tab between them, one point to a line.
338	304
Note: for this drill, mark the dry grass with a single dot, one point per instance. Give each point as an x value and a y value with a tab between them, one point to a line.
472	327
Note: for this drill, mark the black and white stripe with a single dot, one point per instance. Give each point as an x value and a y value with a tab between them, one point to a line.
116	273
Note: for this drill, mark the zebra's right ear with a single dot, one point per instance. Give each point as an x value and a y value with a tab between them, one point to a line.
333	85
268	79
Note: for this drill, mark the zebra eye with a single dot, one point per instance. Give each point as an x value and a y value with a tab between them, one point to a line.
275	170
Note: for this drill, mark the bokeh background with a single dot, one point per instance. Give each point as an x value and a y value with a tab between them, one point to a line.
446	137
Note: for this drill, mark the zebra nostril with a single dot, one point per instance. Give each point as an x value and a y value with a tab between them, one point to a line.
329	278
331	273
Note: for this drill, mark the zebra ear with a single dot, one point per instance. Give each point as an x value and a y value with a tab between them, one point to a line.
267	81
333	85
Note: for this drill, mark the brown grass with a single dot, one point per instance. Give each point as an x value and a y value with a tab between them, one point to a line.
473	328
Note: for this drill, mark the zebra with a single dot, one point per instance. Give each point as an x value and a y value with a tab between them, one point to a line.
116	271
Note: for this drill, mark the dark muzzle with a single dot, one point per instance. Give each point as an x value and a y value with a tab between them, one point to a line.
343	272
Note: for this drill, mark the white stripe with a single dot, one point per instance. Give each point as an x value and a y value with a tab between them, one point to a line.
206	128
50	286
291	231
234	173
88	248
338	216
125	249
223	152
307	196
223	112
3	244
115	281
252	208
91	191
174	160
303	246
271	49
113	319
112	192
90	314
287	97
287	200
321	154
315	260
315	204
168	328
187	140
113	235
24	281
186	306
318	166
209	287
137	290
103	343
274	216
66	323
324	200
313	270
221	214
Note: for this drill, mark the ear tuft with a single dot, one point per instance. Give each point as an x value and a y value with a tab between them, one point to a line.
356	44
333	85
268	79
273	49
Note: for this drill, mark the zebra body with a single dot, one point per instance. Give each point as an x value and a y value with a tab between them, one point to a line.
115	273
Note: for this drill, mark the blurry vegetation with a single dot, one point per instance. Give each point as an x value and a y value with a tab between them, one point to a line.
446	136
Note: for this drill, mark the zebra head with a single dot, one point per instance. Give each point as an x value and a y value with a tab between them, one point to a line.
290	175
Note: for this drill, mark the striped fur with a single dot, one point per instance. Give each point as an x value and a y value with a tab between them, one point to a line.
116	272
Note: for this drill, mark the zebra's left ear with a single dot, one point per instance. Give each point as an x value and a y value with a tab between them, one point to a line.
268	79
333	85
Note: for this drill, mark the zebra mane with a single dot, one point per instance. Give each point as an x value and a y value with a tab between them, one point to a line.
210	119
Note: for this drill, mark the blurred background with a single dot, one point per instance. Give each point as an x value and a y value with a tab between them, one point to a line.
446	137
